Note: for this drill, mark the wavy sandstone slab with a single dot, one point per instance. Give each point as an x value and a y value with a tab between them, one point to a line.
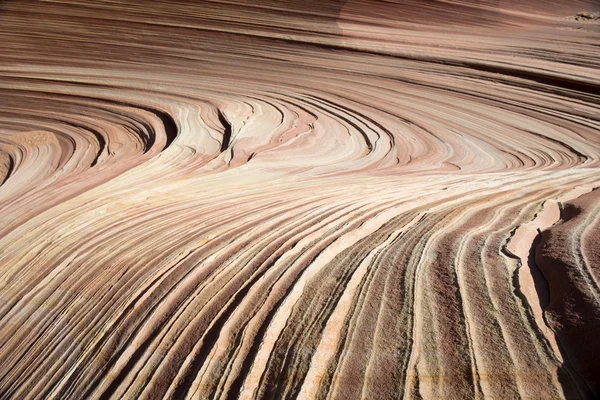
285	199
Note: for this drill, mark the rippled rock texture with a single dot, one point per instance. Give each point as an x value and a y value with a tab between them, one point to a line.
299	199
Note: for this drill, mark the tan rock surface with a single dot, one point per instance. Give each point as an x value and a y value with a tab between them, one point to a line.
299	199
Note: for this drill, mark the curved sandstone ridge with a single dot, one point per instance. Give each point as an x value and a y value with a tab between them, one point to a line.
284	199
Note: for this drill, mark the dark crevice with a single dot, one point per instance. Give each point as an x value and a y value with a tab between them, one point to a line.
168	123
170	127
569	211
97	135
226	132
542	287
9	171
101	144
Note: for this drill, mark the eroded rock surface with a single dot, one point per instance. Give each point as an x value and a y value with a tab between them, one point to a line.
285	199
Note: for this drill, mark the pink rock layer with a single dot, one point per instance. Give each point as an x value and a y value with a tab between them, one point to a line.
285	199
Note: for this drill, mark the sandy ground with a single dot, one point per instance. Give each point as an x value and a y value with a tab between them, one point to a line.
285	199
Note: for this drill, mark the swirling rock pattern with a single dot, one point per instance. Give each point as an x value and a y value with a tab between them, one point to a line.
317	199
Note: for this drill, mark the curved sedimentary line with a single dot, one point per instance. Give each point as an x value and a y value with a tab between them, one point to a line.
326	347
283	200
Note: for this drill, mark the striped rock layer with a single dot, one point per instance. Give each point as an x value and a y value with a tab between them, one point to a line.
299	199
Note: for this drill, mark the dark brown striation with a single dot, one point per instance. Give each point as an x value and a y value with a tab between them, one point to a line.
299	199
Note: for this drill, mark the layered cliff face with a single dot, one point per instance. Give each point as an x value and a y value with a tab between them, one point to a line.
285	199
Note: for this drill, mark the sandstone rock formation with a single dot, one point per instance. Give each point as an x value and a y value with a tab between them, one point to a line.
299	199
